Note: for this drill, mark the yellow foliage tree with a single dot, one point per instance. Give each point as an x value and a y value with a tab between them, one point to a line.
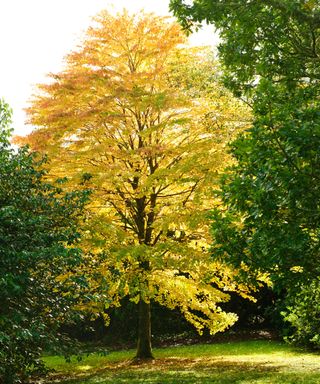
141	119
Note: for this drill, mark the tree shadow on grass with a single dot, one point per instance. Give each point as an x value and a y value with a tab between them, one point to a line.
191	371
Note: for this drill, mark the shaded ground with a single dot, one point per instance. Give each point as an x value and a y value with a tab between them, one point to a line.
256	362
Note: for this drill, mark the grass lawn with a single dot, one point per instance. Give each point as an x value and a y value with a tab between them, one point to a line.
246	362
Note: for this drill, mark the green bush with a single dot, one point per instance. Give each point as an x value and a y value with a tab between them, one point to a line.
38	234
303	314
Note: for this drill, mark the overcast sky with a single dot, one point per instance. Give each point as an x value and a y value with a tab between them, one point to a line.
37	34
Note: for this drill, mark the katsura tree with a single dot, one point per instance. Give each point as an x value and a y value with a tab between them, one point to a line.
38	242
141	120
272	223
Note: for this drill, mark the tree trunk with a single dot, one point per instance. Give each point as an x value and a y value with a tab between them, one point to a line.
144	350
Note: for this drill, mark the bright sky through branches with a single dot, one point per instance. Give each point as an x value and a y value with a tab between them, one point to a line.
37	34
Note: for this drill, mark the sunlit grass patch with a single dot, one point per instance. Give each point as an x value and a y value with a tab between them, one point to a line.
258	362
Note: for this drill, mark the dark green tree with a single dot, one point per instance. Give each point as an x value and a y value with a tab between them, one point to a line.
271	197
38	236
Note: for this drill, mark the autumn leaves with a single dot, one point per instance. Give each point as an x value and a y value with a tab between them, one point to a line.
145	118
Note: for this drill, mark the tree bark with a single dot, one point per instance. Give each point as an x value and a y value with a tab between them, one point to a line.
144	350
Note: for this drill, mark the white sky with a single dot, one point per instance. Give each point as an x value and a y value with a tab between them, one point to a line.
37	34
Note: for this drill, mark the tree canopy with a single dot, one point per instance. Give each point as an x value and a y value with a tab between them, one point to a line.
271	39
143	122
271	53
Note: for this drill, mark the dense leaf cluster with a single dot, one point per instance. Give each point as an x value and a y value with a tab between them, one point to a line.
273	217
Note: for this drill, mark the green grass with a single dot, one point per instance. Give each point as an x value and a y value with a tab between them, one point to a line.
257	362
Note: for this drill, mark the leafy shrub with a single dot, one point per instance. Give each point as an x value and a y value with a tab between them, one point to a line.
38	234
303	314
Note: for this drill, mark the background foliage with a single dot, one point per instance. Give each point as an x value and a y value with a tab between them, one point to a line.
271	220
